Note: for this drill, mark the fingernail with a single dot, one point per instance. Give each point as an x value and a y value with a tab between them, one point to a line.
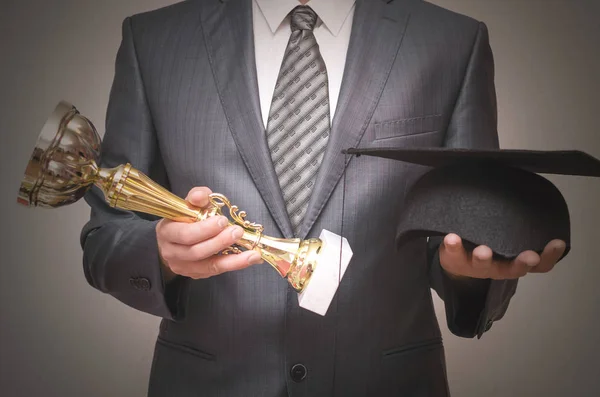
255	259
237	232
451	242
559	247
531	262
222	222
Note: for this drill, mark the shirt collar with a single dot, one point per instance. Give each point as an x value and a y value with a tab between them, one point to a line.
332	13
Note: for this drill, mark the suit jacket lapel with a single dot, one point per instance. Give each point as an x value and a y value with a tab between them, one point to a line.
377	31
228	32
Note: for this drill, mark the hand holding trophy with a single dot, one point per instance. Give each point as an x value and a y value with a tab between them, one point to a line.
64	166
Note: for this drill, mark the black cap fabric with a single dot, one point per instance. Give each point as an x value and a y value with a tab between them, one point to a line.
488	197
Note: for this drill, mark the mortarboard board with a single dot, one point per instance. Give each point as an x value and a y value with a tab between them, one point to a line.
492	197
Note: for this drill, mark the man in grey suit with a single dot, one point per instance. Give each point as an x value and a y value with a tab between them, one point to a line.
191	83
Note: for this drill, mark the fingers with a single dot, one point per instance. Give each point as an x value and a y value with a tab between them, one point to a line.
480	263
204	243
453	247
192	233
208	247
193	249
530	262
481	260
550	256
453	256
202	259
217	264
519	267
458	261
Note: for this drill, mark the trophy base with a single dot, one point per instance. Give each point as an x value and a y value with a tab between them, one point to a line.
324	281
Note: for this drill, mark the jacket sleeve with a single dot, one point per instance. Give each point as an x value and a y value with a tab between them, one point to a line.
472	306
120	251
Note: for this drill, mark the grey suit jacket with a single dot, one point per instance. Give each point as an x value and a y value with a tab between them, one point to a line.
184	109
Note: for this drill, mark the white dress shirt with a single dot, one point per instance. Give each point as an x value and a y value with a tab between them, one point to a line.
271	34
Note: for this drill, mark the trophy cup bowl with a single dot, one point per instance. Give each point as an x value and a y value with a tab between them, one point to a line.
64	165
63	161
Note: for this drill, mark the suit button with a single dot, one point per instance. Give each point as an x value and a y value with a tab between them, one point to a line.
298	373
141	284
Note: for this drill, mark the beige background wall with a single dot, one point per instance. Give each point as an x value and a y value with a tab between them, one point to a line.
59	337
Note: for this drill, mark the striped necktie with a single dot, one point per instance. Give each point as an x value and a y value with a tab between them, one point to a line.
299	122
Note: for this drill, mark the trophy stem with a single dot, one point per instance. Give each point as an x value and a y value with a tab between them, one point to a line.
126	188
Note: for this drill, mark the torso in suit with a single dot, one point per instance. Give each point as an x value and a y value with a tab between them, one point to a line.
184	109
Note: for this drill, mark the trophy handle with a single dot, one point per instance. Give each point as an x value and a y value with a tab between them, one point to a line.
218	201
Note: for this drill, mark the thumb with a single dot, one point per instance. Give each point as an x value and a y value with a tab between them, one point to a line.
198	196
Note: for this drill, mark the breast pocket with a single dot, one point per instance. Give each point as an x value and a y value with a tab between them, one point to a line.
431	124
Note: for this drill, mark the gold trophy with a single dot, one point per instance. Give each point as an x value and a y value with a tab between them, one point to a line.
64	166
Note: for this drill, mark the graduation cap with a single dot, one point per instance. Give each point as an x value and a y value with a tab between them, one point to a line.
488	197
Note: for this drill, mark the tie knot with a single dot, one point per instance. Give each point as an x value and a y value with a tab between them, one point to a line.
303	18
